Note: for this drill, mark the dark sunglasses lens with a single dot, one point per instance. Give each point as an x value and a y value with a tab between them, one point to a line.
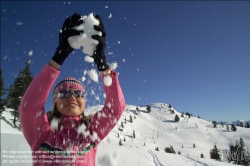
76	93
79	93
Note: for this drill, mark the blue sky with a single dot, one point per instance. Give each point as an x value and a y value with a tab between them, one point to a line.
193	55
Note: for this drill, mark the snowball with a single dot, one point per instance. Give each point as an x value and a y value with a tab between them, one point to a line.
110	15
85	39
107	80
30	53
93	75
88	59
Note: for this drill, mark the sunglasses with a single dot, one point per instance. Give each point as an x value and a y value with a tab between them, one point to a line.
66	94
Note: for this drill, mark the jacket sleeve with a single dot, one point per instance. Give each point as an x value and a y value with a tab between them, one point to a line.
34	122
105	120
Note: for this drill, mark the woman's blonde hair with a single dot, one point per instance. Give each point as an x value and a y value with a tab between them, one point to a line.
55	113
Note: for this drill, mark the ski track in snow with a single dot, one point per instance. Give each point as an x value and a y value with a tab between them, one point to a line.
196	162
156	160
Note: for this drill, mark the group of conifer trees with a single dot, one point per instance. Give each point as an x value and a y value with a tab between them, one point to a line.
11	96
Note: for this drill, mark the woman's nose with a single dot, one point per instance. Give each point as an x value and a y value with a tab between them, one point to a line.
72	96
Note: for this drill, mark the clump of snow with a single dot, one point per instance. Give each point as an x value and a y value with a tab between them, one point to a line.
104	95
85	40
30	53
106	7
93	75
119	42
83	78
19	23
113	66
110	15
85	72
88	59
54	123
107	80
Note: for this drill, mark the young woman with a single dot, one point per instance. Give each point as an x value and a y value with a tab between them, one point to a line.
66	136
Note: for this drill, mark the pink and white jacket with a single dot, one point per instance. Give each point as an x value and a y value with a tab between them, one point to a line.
68	145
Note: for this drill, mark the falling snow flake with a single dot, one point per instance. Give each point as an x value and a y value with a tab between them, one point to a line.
110	15
93	75
19	23
88	59
30	53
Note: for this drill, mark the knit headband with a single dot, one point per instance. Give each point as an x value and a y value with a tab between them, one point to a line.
67	83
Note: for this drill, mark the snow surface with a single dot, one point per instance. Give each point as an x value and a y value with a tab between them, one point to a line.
155	129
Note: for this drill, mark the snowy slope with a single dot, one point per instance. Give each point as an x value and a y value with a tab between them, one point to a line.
155	129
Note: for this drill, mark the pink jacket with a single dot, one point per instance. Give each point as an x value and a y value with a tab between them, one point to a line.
74	144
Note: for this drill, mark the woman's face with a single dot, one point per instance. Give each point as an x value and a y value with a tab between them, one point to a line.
71	105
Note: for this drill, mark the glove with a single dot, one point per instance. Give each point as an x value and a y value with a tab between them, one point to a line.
64	49
98	56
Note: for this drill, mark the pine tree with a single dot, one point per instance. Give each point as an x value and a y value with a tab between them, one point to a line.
233	128
246	125
131	119
176	119
120	142
2	92
133	133
148	109
194	145
17	90
214	153
214	123
202	156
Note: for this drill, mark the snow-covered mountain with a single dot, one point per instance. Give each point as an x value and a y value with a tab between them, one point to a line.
152	130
